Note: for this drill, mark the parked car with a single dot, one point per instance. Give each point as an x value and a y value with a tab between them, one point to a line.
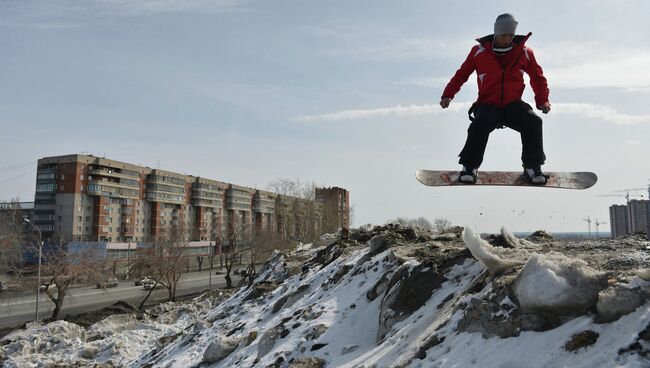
141	280
149	284
44	286
112	282
47	286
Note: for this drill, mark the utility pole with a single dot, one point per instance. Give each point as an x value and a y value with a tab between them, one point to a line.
210	277
40	256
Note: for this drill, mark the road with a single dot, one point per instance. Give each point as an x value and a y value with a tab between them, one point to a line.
15	311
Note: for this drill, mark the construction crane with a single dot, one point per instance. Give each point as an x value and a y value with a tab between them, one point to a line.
647	188
588	220
598	223
627	196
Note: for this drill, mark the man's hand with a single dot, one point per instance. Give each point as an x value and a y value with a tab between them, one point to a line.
444	102
545	108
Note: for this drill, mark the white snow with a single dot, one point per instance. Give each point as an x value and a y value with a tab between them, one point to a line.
496	259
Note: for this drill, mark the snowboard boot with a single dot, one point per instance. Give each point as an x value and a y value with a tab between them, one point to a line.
535	175
468	175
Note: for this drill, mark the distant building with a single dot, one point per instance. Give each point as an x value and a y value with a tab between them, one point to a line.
618	219
83	198
631	218
639	215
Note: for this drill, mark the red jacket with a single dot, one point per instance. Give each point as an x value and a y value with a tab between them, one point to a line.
496	85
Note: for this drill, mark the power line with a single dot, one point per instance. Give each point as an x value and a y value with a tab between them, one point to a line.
17	165
17	176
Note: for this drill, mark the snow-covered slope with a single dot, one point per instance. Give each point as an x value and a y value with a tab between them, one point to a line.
400	299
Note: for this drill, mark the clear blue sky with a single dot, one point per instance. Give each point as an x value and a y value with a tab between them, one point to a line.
343	93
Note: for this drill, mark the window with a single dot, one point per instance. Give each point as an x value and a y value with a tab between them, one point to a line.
60	219
81	177
88	208
81	188
79	209
110	229
79	228
62	187
79	218
87	229
87	219
62	177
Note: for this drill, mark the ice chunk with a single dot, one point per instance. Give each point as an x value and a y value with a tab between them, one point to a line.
553	282
496	259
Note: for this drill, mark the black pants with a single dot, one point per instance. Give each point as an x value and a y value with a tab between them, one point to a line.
517	115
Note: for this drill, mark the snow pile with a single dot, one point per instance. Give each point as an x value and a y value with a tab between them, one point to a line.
396	299
116	340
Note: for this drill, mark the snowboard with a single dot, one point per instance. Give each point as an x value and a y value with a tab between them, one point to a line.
564	180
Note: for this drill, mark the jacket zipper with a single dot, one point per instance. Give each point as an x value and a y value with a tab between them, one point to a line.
503	75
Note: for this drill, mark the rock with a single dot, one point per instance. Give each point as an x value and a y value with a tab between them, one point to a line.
261	288
411	286
317	346
540	235
219	349
360	235
267	341
307	363
89	353
581	340
349	349
378	289
252	336
315	332
288	300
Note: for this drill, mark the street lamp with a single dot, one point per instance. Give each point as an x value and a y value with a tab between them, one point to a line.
210	273
40	254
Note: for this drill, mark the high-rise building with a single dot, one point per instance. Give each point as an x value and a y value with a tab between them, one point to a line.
639	215
89	198
618	219
631	218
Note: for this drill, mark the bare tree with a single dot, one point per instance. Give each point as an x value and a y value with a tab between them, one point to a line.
294	188
11	236
63	267
422	223
232	250
166	261
440	225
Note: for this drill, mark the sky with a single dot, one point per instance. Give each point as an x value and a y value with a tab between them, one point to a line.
342	93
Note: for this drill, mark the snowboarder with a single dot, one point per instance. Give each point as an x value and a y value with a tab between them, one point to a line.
500	61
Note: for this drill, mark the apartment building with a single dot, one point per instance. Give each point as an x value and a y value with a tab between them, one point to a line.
618	220
631	218
88	198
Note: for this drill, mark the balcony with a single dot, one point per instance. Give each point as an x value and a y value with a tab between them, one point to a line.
113	174
156	179
109	191
163	197
45	188
201	202
120	185
44	207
